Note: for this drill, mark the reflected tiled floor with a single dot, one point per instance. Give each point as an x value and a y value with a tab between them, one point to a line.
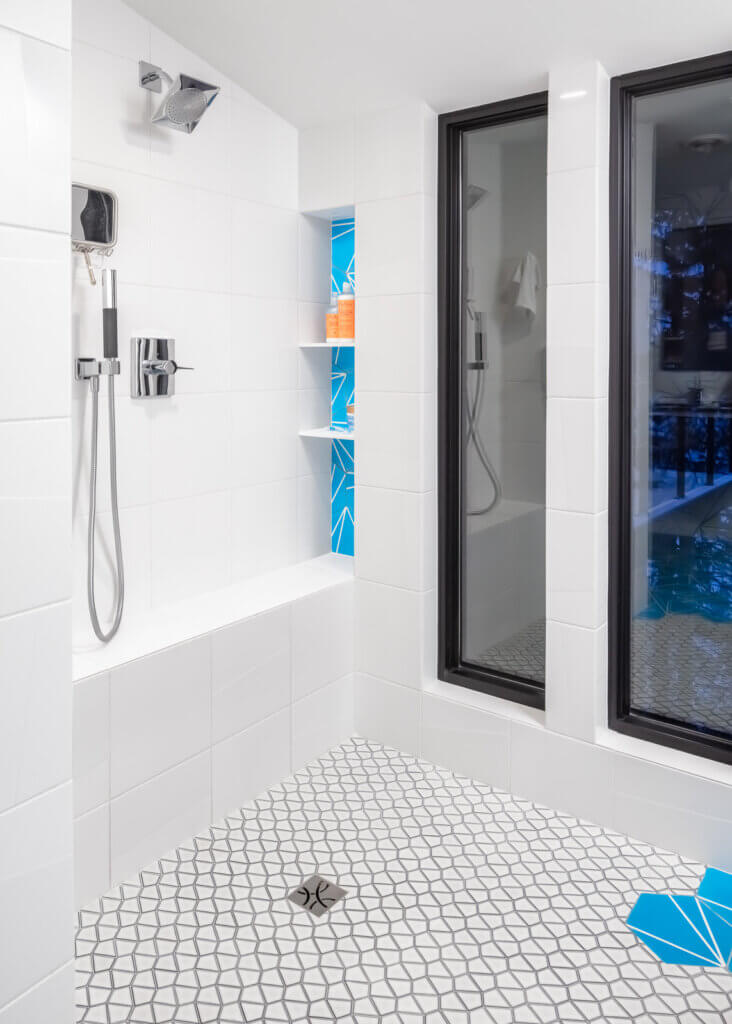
523	654
681	670
463	905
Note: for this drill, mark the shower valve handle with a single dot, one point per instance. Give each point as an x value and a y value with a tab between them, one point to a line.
169	367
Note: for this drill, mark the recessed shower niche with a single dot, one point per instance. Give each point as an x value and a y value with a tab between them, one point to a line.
328	355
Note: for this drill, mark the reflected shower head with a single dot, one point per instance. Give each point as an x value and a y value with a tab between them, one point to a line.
473	195
186	101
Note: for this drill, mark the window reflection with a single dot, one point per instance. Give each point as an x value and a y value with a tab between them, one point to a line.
682	400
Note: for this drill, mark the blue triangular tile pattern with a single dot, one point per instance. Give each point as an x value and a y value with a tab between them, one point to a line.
684	929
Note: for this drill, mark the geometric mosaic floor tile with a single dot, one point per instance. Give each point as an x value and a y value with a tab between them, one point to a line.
463	905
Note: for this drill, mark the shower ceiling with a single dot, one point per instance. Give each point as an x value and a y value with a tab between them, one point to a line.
326	59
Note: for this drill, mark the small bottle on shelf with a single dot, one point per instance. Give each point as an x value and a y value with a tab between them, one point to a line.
346	313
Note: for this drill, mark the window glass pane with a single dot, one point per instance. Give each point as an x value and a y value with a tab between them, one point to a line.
681	328
503	349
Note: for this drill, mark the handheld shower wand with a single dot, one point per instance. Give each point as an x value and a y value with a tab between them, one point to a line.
92	370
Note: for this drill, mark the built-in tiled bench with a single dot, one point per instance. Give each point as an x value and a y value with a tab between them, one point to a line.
184	717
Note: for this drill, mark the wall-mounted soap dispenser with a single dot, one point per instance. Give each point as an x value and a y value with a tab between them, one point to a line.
153	367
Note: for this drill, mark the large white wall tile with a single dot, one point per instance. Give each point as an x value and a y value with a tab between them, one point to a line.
91	855
322	639
577	568
394	533
466	740
44	1001
36	891
392	152
35	552
264	250
193	432
576	673
250	762
263	437
395	253
313	516
160	712
397	438
112	26
263	343
190	232
110	119
388	629
579	96
387	713
263	527
91	743
35	726
321	721
48	20
673	810
34	171
561	773
28	258
35	459
250	671
577	471
396	343
160	814
263	153
577	341
191	546
575	241
326	166
314	261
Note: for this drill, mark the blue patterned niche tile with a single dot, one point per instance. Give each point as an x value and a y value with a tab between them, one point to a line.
341	497
342	385
342	254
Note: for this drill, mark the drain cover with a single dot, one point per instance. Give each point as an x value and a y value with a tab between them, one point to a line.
317	895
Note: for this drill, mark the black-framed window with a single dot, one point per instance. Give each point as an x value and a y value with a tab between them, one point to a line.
670	601
492	397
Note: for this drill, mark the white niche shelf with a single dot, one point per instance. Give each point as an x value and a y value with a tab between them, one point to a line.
327	344
329	433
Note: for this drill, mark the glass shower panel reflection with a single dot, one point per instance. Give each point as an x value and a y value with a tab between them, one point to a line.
503	353
681	576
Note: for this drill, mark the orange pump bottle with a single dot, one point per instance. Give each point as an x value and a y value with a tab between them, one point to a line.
346	314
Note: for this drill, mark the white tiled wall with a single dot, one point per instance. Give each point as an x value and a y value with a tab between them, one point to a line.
36	865
395	193
167	744
213	252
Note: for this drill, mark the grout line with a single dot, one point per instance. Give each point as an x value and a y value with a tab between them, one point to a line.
39	796
16	1000
35	608
56	232
36	39
36	419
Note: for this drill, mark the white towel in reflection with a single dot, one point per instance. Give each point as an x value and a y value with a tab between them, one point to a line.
528	279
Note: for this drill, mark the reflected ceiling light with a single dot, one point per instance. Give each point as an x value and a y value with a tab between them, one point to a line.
573	94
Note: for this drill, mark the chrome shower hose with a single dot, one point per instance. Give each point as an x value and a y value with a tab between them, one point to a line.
119	567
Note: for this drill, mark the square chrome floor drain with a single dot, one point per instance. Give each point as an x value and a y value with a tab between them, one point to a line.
317	895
